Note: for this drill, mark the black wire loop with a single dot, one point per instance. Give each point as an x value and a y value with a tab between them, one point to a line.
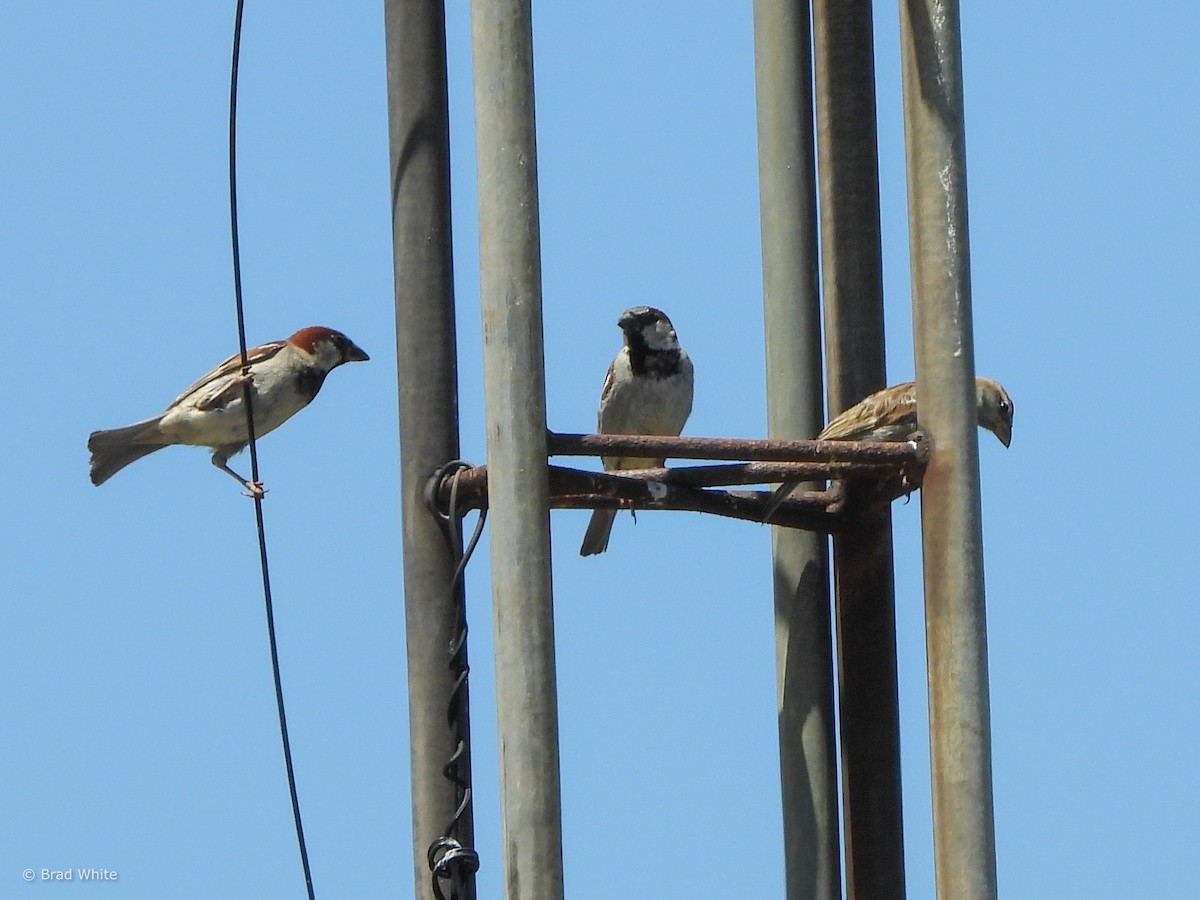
450	518
450	861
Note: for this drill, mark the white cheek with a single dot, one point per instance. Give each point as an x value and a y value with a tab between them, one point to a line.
661	337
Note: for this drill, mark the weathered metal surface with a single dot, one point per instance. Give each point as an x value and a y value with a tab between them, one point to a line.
951	516
515	402
418	125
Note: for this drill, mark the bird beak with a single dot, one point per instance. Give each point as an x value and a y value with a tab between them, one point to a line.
355	353
1004	433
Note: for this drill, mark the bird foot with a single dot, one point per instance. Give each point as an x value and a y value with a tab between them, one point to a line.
255	489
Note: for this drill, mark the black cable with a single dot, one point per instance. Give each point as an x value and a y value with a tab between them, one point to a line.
258	497
449	860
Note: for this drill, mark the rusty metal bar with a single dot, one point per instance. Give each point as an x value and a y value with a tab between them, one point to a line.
864	597
800	564
566	480
745	473
773	450
764	473
428	399
515	399
825	511
951	516
577	489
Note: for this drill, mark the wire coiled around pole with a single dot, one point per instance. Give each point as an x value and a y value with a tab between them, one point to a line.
449	860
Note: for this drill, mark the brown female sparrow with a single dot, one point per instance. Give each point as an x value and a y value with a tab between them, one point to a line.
284	377
891	415
648	390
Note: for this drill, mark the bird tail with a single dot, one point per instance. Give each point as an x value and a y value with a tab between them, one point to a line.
595	539
781	493
113	450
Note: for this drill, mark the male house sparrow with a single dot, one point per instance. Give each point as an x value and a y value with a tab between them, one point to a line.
648	390
284	377
891	415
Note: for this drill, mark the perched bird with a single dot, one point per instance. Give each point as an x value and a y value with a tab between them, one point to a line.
284	377
648	390
891	415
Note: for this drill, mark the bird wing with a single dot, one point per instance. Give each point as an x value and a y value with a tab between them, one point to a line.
889	407
218	380
609	378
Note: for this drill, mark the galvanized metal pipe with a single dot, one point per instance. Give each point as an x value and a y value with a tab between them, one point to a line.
791	305
428	397
951	518
515	397
864	596
847	147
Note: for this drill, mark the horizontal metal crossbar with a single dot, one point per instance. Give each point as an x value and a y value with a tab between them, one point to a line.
914	451
879	473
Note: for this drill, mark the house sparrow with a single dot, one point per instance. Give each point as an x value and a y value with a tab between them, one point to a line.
284	377
648	390
891	415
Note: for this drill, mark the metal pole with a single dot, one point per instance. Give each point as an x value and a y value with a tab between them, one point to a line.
864	596
791	301
951	519
518	488
428	396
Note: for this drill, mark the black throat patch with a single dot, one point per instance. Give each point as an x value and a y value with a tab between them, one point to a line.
655	363
309	381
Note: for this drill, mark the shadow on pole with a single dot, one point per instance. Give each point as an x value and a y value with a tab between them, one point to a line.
418	133
791	301
854	340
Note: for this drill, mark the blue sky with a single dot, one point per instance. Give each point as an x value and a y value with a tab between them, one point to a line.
139	720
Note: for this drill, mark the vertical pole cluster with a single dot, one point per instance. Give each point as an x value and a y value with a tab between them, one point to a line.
863	577
951	518
842	68
428	396
518	487
803	645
